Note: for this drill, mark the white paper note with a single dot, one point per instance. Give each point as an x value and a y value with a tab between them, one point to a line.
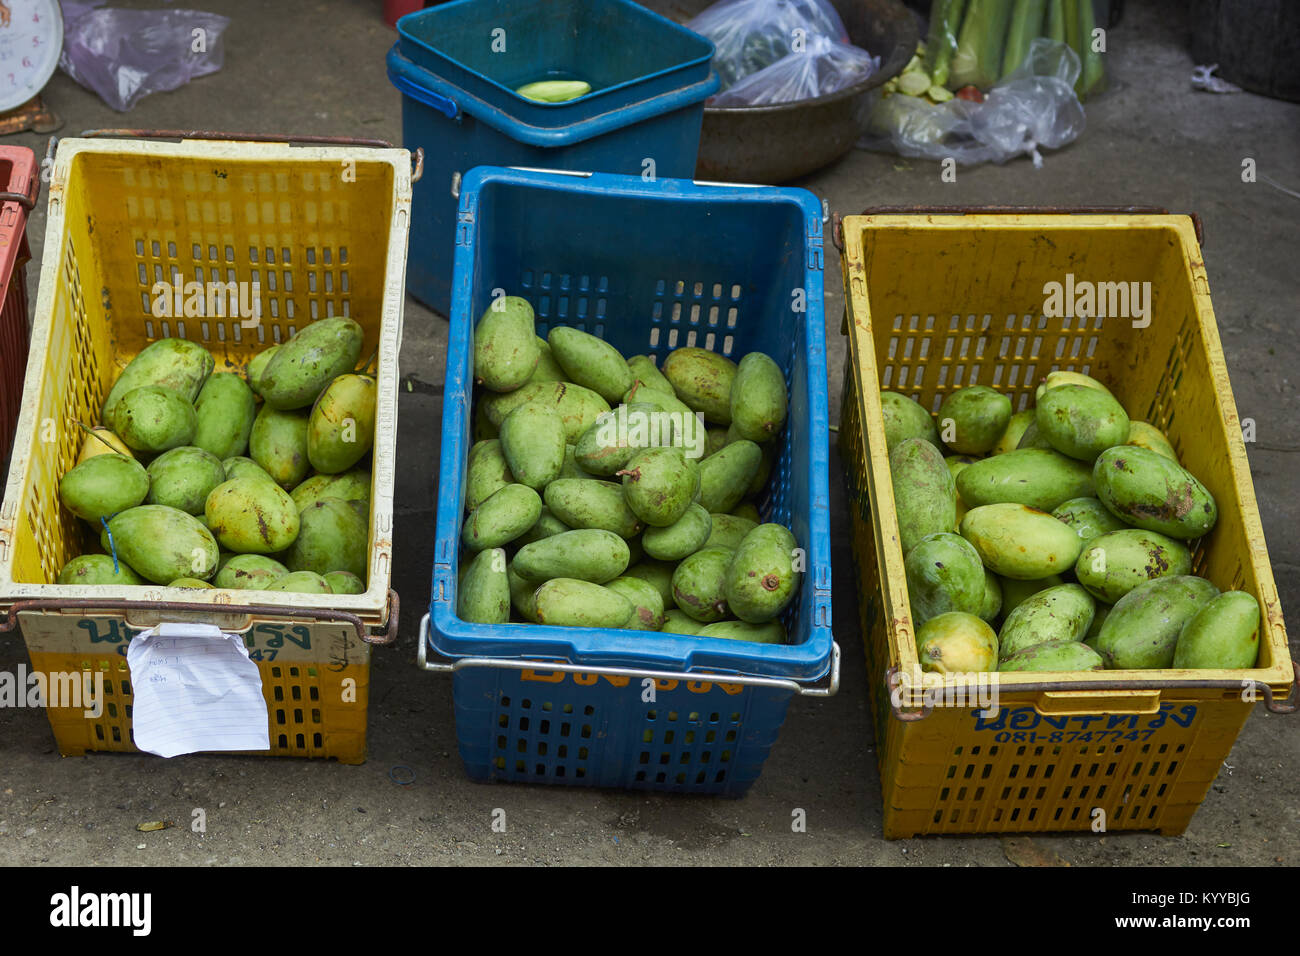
195	689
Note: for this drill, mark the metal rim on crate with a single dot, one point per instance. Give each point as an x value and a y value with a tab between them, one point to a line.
501	663
251	611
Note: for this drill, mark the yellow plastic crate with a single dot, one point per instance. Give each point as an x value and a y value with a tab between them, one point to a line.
936	302
323	231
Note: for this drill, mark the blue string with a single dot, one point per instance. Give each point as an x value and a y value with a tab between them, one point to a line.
112	546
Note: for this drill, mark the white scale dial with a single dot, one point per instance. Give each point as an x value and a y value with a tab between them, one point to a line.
31	36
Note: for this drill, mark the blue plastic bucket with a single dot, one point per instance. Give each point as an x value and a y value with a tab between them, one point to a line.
457	66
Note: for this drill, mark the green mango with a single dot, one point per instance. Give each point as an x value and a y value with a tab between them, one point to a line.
703	381
566	602
658	485
644	370
1063	377
1149	491
345	582
154	418
1033	438
224	410
177	364
764	471
588	503
505	345
658	573
278	444
588	554
925	496
532	441
683	537
98	569
758	398
1014	431
240	467
762	578
351	486
578	407
1020	542
521	594
677	621
1054	656
249	572
611	441
103	485
904	419
483	594
252	516
1088	517
193	584
1143	626
944	574
956	643
483	427
548	370
301	582
747	511
727	531
769	632
162	544
301	367
1151	438
331	537
341	427
717	439
726	475
257	366
502	517
1014	592
1037	477
590	362
700	584
1081	421
546	526
991	605
1061	613
1222	635
1114	563
184	477
971	420
647	604
571	468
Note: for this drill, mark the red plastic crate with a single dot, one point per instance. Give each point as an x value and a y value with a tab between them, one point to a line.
19	187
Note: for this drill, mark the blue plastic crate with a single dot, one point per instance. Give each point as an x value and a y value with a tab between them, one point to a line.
649	76
648	266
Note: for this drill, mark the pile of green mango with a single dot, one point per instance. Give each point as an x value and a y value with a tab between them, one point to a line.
204	479
604	491
1067	525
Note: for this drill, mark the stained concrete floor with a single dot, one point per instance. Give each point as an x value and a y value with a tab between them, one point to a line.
318	67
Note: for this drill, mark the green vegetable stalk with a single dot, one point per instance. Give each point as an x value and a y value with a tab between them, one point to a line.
978	58
1056	21
1093	73
945	19
1026	25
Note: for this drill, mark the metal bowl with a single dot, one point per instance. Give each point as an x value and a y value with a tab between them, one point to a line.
775	144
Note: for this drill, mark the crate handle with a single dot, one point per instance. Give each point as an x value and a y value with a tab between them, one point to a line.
1117	701
837	234
499	663
249	610
892	684
1283	706
417	158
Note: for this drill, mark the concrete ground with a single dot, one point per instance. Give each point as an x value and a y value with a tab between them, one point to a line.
317	67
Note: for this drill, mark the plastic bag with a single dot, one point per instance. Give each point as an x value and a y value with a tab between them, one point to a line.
753	34
823	67
1034	106
125	54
